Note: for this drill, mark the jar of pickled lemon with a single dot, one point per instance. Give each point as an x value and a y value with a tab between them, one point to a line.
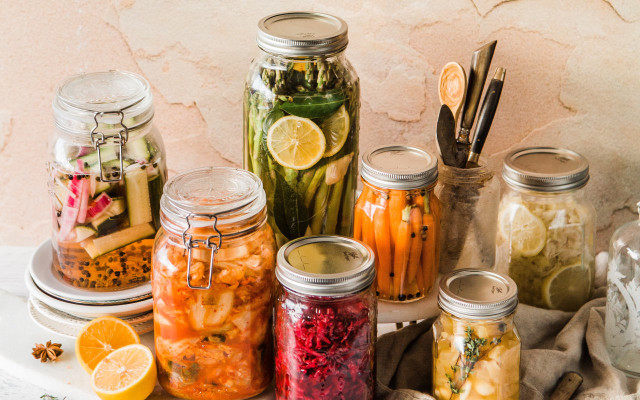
213	286
546	227
476	352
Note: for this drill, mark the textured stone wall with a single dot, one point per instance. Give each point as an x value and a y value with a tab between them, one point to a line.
572	80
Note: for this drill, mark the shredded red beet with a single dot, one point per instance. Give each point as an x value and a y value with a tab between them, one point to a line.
325	350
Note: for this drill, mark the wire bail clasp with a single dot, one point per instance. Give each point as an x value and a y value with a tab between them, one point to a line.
99	139
190	243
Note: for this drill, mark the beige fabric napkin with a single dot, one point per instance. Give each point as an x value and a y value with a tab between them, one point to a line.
553	342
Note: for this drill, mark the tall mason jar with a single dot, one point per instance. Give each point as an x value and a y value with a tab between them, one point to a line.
213	286
106	174
546	227
325	320
301	118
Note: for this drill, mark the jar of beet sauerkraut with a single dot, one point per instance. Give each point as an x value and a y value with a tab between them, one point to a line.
213	286
106	173
325	323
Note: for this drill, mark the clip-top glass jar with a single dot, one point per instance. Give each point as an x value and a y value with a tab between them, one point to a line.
622	322
301	105
213	286
325	323
546	227
476	352
398	216
106	174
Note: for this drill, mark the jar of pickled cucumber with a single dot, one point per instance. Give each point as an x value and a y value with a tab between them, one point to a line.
476	351
301	116
546	228
398	216
325	320
106	173
213	286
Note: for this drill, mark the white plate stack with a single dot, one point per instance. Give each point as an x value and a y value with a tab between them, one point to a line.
65	309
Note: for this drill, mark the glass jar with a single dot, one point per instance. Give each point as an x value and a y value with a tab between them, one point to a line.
476	352
213	286
325	320
622	321
301	121
470	199
106	174
398	216
546	228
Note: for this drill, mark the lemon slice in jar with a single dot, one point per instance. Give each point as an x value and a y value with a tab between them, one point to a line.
296	142
336	130
527	232
568	288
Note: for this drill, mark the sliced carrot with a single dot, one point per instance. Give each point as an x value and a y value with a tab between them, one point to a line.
415	223
429	264
417	199
357	219
368	231
397	202
383	246
401	254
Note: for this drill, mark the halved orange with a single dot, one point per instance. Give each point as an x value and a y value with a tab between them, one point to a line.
100	337
128	373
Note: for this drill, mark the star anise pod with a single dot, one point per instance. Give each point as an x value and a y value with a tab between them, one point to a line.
49	351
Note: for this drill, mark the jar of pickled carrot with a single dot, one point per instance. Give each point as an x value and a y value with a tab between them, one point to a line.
476	352
106	174
398	215
325	320
213	286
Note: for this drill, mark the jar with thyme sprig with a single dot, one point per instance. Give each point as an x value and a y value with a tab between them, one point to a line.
301	105
476	352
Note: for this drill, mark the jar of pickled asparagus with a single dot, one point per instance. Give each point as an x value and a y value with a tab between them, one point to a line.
106	173
546	228
398	216
476	351
301	115
325	320
213	286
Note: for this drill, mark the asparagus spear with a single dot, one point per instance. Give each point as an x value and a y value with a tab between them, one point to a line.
333	207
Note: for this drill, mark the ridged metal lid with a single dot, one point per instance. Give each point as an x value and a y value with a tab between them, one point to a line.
302	34
545	169
325	266
399	167
477	294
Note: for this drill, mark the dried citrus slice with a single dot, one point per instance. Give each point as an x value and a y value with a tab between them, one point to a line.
128	373
100	337
526	232
296	142
336	130
568	288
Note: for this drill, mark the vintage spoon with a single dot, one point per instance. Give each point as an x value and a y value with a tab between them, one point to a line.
452	87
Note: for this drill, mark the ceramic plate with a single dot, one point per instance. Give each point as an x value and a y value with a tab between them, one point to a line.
41	268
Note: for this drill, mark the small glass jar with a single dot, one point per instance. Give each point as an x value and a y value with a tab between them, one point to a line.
476	352
546	228
213	286
470	199
301	121
325	320
398	216
622	322
106	174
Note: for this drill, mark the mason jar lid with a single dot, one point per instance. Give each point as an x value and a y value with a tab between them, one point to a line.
399	167
231	195
81	97
302	34
477	294
545	169
325	266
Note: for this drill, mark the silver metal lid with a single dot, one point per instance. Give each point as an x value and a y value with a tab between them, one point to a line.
399	167
545	169
81	97
325	266
302	34
477	294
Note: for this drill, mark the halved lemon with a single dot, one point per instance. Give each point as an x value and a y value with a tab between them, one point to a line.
296	142
128	373
568	288
100	337
336	130
526	232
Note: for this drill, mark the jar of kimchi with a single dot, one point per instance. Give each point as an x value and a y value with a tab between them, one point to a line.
213	286
106	173
476	353
325	320
398	216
